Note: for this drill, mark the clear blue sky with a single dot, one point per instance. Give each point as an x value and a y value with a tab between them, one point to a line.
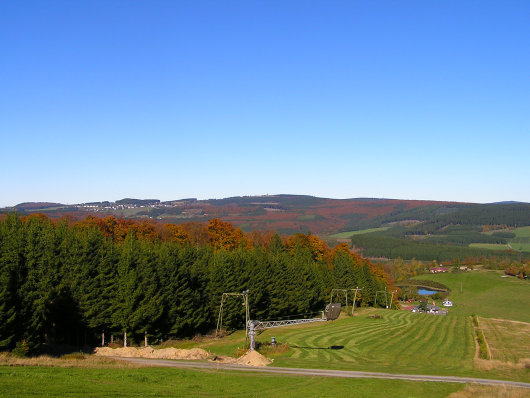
101	100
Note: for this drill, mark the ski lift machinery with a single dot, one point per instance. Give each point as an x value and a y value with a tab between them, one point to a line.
330	313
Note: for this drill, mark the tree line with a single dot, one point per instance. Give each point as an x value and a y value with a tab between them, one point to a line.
384	245
64	282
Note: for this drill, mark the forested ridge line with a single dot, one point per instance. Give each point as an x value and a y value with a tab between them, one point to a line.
65	282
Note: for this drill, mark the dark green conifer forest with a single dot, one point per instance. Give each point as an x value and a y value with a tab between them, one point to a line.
67	283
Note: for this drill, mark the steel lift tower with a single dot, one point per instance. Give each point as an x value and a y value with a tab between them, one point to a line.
331	313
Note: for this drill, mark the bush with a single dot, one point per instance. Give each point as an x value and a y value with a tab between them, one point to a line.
21	349
269	349
481	340
74	355
483	349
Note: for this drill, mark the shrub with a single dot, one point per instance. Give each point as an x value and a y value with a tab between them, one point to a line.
74	355
269	349
21	349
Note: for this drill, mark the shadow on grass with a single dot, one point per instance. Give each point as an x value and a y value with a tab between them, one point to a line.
333	347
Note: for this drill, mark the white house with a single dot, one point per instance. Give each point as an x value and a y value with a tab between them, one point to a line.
448	303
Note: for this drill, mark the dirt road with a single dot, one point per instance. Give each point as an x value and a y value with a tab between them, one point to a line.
320	372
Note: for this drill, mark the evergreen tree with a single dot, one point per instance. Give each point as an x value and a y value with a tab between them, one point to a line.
149	307
127	295
11	261
41	283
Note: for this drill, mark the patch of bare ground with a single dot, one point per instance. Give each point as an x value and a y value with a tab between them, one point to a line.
251	358
223	359
475	391
149	352
66	361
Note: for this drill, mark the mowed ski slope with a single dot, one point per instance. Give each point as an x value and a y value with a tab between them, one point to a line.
399	340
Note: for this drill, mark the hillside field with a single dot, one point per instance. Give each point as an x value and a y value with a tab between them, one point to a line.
521	242
486	294
347	235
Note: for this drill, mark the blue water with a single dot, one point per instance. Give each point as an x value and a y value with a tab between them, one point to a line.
425	292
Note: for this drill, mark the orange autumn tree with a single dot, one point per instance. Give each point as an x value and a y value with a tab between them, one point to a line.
319	248
223	235
345	248
118	228
175	233
260	238
146	230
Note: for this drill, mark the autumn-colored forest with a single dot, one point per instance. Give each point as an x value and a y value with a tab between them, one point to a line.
282	213
64	281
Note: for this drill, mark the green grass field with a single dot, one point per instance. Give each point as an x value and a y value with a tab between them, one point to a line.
486	294
517	246
164	382
401	340
307	217
520	243
520	247
523	232
489	246
346	235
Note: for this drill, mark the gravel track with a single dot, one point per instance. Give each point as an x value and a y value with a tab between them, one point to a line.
321	372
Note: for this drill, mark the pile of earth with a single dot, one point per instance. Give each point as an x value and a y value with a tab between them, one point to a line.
149	352
251	358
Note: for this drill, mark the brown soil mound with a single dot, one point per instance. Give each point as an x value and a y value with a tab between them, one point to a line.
149	352
253	358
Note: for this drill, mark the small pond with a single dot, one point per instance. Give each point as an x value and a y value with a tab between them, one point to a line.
426	292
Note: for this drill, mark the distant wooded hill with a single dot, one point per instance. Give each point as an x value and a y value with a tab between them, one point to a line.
282	213
377	227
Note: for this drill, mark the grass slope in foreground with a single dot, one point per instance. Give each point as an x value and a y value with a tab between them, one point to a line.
163	382
398	342
487	294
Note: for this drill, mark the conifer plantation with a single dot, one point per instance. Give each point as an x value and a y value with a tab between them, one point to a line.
64	282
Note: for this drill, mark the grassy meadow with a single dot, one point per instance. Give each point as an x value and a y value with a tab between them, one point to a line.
346	235
397	341
167	382
522	232
486	294
520	243
489	246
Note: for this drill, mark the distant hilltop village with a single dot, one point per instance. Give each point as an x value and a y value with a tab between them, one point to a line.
129	208
131	204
